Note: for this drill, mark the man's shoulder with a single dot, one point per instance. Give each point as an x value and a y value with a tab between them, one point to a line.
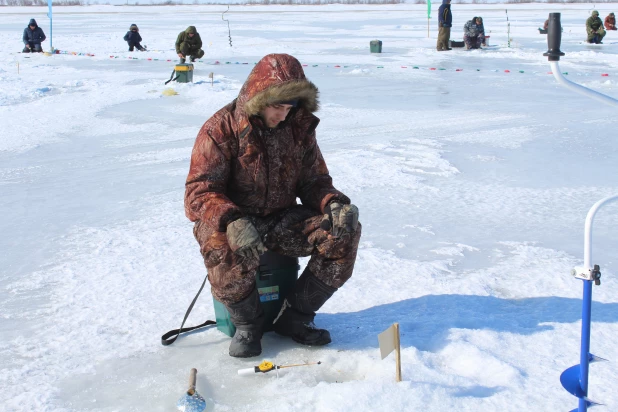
222	125
305	122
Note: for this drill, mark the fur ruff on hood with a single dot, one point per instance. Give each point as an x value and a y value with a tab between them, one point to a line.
277	78
303	90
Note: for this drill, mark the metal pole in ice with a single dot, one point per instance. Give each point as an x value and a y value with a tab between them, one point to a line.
51	34
428	15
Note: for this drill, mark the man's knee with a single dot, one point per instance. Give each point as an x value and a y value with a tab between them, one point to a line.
213	244
185	48
199	54
231	276
37	48
232	283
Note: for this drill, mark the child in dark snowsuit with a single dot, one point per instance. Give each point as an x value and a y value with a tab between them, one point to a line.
133	38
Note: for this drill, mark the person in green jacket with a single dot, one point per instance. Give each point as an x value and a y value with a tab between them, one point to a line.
189	43
594	28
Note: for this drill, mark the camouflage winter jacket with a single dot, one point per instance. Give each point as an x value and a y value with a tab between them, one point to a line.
195	42
593	24
471	29
240	167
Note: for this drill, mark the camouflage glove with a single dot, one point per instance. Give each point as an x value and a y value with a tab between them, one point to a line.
340	219
244	239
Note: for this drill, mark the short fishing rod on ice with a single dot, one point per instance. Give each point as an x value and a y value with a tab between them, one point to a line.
267	366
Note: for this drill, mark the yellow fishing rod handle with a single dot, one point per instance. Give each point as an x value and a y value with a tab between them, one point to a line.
266	366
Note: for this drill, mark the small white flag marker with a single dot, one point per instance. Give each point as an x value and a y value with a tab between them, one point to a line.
389	341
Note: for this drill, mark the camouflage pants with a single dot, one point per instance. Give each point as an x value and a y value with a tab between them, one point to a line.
596	36
444	34
292	232
188	51
474	42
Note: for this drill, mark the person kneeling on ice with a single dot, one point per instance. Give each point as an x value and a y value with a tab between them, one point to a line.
474	33
133	38
610	22
189	43
250	162
594	28
33	37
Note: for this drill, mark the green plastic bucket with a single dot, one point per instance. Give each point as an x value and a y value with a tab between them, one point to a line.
184	71
375	46
274	278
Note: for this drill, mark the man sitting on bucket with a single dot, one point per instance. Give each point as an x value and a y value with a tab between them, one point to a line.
250	162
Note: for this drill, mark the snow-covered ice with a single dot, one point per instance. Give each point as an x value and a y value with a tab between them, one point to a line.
472	185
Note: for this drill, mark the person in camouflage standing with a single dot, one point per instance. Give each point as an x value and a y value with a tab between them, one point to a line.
189	43
250	162
445	22
594	28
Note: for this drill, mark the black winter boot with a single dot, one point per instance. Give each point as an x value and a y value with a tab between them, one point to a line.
248	317
298	311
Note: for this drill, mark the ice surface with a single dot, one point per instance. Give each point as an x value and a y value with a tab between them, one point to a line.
472	186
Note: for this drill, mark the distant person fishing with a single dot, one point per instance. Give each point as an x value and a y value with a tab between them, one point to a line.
33	37
189	43
134	39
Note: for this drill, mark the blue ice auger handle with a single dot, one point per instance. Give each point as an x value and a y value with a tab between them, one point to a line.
575	378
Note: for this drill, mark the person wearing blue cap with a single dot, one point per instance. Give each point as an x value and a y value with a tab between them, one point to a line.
33	37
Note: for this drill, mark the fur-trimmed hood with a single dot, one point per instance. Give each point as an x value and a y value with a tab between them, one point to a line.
276	78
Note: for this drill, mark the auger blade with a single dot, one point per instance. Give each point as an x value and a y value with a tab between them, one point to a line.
590	402
570	381
594	358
